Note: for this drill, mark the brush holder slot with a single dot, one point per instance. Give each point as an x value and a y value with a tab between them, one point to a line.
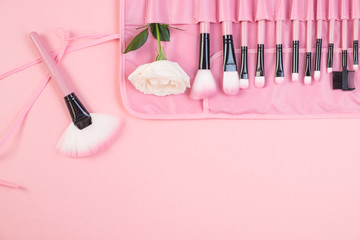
289	100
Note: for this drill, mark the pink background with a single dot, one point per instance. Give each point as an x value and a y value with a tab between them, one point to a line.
201	179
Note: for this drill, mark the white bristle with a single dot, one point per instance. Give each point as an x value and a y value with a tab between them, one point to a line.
279	80
329	70
204	85
231	82
307	80
244	83
317	75
80	143
259	81
295	77
356	67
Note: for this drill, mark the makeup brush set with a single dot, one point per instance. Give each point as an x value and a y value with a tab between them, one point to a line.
249	58
343	79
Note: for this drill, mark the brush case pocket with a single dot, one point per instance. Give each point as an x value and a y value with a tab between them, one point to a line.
286	101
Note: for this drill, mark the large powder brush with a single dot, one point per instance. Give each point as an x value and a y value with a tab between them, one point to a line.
89	132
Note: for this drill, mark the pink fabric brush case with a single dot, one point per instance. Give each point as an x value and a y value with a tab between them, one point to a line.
286	101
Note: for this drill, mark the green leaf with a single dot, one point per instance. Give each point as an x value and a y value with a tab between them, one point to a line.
163	30
138	41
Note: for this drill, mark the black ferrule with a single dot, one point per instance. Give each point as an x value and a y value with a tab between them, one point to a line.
344	59
330	55
260	72
204	57
295	57
279	69
318	54
345	80
356	52
229	54
308	64
80	116
244	68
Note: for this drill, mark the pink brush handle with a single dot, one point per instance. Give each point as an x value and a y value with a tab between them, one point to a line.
356	29
344	34
296	28
278	32
308	35
227	28
319	29
49	61
204	27
261	32
331	30
244	32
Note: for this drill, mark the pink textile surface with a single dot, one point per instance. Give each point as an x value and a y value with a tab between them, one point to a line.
161	180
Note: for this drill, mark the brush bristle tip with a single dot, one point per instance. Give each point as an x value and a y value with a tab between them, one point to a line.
244	83
329	70
260	81
279	80
317	75
203	86
295	77
231	83
81	143
307	80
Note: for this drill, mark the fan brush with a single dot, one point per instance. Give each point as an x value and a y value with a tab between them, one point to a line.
88	133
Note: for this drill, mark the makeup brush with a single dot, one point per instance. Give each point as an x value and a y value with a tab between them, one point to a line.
331	17
295	44
319	8
295	51
88	133
244	74
204	84
356	45
344	79
310	12
355	12
279	68
231	82
260	72
261	15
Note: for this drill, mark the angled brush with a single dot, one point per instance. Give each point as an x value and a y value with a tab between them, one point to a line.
344	79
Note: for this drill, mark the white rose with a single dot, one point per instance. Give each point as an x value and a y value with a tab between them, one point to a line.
160	78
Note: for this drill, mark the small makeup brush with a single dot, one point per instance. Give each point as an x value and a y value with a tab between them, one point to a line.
244	74
344	79
310	8
204	84
295	51
318	42
231	82
355	12
260	72
88	133
356	45
279	68
331	16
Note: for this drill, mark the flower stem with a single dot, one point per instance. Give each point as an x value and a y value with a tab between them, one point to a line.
161	54
158	36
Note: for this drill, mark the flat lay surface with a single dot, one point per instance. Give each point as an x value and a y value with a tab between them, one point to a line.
160	179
